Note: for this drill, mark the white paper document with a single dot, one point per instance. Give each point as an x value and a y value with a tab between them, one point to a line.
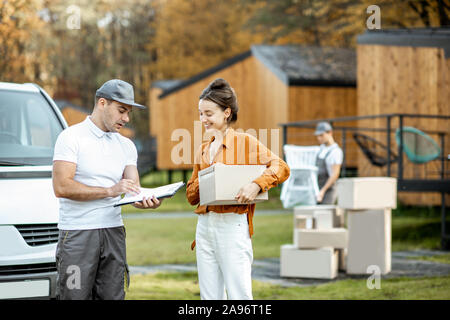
166	191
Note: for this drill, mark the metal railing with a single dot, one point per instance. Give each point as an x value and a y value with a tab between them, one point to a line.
441	185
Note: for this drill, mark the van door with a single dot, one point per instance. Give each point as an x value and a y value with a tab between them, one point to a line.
29	127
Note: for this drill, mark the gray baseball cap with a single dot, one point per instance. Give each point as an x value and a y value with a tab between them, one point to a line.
323	127
120	91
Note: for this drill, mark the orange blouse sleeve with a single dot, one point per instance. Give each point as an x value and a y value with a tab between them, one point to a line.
192	187
277	170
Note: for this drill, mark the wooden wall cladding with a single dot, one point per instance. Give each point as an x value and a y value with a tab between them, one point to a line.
411	80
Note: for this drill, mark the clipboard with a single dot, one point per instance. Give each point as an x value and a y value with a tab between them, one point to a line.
162	192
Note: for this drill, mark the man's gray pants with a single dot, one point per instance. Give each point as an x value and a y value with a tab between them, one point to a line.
91	264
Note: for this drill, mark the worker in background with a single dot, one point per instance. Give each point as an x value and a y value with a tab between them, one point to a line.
329	161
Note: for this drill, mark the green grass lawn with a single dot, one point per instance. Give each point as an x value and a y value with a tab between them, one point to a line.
179	203
168	240
158	178
181	286
409	232
156	241
442	258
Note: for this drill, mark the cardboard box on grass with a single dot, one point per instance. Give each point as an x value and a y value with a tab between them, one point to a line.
369	240
302	222
220	183
319	212
324	219
367	193
319	263
317	238
309	210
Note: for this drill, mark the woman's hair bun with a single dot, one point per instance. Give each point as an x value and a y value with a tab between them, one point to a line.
219	84
221	93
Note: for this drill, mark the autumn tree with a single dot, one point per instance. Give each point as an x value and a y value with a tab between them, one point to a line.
21	31
431	12
140	41
338	22
194	35
111	41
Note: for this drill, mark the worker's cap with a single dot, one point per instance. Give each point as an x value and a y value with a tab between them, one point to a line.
120	91
323	127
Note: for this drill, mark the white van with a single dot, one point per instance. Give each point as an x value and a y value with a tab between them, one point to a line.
30	122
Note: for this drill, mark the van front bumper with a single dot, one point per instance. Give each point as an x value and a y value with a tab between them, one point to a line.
25	271
40	285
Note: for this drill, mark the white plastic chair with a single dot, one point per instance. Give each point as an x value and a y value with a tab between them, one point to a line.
301	187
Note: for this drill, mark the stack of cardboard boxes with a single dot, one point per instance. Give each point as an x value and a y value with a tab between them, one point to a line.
322	245
368	203
320	241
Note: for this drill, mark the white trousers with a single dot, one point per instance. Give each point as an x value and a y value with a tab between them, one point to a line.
224	256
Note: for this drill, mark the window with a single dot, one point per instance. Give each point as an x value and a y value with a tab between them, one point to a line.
28	128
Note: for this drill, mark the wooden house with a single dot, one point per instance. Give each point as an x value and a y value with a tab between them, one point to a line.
274	85
406	71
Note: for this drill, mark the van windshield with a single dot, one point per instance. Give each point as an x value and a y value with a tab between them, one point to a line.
28	129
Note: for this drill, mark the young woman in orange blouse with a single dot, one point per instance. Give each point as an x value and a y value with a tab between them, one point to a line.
223	236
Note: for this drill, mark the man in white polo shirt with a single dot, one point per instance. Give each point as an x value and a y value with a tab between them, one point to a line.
92	166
